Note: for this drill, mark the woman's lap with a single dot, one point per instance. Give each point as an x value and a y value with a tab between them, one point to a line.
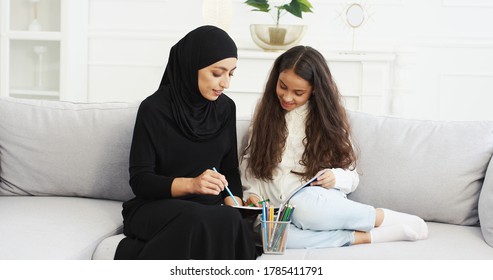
151	217
178	229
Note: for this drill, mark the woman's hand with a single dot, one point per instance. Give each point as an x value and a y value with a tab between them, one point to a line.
209	182
325	179
253	199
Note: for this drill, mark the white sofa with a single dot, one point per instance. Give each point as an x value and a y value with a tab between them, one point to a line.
64	175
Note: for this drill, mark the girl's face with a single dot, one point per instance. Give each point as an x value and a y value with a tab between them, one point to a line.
292	90
214	78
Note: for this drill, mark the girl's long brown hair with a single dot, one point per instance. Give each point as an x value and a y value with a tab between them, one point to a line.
327	143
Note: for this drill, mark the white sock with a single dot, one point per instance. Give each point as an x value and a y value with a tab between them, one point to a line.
393	233
393	218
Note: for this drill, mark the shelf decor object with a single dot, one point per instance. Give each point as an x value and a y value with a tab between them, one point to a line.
218	13
355	16
39	51
274	37
34	25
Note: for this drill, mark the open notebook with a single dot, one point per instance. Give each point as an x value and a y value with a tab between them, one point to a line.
251	210
307	184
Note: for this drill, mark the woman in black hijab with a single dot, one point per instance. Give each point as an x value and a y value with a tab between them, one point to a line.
182	131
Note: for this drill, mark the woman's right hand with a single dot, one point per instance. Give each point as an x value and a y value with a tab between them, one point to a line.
209	183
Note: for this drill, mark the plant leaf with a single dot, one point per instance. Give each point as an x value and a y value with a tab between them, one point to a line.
260	5
298	7
306	6
294	8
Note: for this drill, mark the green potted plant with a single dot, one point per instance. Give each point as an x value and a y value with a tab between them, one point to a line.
295	7
279	36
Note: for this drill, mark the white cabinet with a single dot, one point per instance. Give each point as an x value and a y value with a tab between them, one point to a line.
43	49
364	80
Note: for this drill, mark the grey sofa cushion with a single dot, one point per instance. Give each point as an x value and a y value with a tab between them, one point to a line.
433	169
445	242
242	127
106	250
55	228
486	206
65	149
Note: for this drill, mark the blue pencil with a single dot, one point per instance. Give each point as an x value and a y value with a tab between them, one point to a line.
229	192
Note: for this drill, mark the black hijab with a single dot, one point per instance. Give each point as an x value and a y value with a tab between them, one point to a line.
198	118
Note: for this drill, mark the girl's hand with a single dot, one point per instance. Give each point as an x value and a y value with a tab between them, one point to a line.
209	182
326	179
253	199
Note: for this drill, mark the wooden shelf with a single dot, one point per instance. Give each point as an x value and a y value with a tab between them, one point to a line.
329	55
34	36
35	92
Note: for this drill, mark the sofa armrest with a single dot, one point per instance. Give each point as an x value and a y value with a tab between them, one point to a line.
485	206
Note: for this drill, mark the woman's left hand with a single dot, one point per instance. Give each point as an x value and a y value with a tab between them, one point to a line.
327	179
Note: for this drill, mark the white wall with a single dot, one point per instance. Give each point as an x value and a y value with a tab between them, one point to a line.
444	48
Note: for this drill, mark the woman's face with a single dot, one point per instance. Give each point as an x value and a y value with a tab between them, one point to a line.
292	90
214	78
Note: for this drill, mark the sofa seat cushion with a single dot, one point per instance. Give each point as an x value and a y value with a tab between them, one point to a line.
55	228
445	242
107	248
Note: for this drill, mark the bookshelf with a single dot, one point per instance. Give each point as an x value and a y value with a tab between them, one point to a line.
37	41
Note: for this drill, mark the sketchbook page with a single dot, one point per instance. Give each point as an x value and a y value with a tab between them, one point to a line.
248	211
250	208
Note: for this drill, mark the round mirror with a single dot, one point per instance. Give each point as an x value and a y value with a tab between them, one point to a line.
355	15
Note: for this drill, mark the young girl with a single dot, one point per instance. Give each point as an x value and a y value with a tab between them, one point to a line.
300	130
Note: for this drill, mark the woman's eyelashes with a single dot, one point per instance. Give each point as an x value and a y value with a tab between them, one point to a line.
218	75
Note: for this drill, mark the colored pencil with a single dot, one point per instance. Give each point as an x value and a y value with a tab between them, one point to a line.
227	189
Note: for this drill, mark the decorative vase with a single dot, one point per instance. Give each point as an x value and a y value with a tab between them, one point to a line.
218	13
34	25
272	37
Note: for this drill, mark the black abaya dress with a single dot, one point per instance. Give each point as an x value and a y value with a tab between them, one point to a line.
158	226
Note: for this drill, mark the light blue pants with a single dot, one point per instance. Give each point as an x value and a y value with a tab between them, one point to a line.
326	218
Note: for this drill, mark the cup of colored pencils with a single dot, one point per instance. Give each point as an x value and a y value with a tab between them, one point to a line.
274	228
